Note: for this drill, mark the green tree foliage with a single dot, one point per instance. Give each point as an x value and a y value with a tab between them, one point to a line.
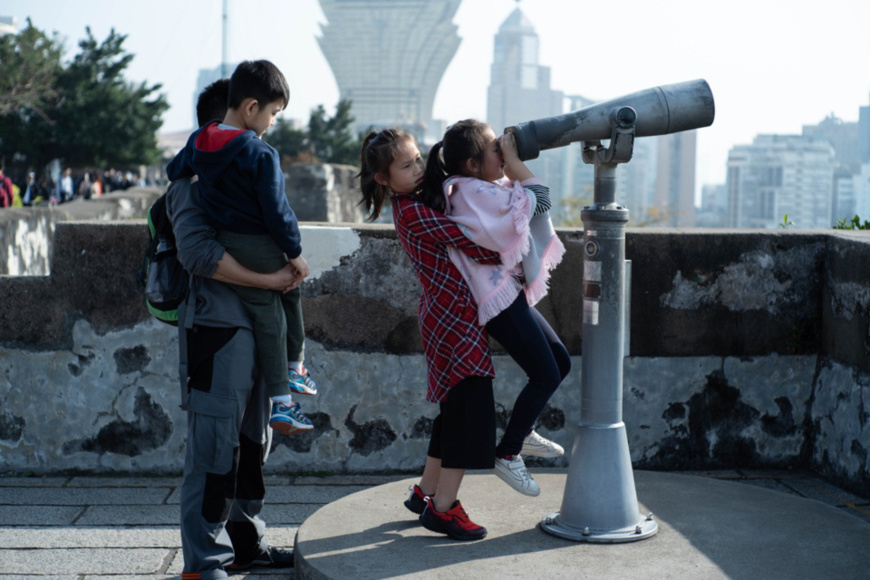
331	139
327	139
87	114
102	119
29	63
291	143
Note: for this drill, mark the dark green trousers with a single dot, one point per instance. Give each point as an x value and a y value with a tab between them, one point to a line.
277	318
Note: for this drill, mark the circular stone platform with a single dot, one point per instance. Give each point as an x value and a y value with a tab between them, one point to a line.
706	529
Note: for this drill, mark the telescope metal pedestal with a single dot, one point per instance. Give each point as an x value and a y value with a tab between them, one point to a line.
599	503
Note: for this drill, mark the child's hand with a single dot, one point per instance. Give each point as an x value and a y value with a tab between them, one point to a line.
508	145
514	168
284	280
301	266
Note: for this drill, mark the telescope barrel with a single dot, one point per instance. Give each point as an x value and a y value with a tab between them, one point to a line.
660	111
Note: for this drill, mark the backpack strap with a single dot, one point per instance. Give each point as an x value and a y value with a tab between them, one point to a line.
184	325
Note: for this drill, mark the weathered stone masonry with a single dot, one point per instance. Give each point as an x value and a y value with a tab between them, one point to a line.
748	349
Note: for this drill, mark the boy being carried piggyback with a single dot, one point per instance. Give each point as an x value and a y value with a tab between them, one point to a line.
243	195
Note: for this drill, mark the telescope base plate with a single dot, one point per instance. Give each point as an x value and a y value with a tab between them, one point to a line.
645	528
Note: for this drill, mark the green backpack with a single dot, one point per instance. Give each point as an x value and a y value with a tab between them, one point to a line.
162	278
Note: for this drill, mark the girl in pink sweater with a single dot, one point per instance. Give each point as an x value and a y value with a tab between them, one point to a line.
465	179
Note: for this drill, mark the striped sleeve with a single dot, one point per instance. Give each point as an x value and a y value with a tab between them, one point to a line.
542	197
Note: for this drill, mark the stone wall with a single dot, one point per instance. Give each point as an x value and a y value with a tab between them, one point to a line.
317	193
323	193
748	349
27	234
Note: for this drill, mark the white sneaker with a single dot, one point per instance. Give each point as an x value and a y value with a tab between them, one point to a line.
536	445
515	474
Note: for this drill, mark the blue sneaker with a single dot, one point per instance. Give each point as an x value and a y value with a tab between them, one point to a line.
301	383
288	419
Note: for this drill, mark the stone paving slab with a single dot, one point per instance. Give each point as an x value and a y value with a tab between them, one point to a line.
33	481
134	515
125	482
56	577
91	537
276	480
85	561
177	565
124	577
39	515
302	494
82	496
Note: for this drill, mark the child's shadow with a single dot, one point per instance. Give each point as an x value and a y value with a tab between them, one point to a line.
402	553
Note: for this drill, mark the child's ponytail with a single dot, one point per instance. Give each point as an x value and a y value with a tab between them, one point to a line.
464	140
433	180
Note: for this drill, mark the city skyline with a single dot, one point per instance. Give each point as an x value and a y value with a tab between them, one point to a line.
800	70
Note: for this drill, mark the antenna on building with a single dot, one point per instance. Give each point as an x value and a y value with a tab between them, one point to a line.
224	42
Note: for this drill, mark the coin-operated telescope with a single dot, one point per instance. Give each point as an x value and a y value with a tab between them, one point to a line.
659	111
599	503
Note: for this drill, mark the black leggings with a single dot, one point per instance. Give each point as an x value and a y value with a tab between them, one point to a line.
532	343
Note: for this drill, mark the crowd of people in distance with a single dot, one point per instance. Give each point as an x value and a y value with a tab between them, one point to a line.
33	189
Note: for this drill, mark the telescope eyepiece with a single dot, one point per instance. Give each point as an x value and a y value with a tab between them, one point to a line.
625	117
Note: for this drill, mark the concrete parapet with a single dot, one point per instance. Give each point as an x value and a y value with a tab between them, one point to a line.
748	349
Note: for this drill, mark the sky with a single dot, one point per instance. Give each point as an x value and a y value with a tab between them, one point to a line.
773	65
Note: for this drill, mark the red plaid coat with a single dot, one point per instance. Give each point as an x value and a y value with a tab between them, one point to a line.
456	346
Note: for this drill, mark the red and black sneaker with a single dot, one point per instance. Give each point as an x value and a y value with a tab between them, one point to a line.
417	502
454	522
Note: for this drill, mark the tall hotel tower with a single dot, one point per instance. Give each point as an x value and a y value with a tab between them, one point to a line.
388	57
520	91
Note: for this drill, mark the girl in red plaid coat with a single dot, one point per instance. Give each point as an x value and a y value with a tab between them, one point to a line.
465	179
458	359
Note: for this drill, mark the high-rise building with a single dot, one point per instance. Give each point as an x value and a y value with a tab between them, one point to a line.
388	57
852	196
845	201
519	91
861	192
714	206
8	25
842	136
636	183
675	179
206	77
779	175
864	134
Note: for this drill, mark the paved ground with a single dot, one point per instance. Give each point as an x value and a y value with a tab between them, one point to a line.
82	528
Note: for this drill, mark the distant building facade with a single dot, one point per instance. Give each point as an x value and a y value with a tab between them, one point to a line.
714	206
864	134
388	58
845	197
842	136
519	91
861	189
207	76
853	196
675	179
780	175
8	25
